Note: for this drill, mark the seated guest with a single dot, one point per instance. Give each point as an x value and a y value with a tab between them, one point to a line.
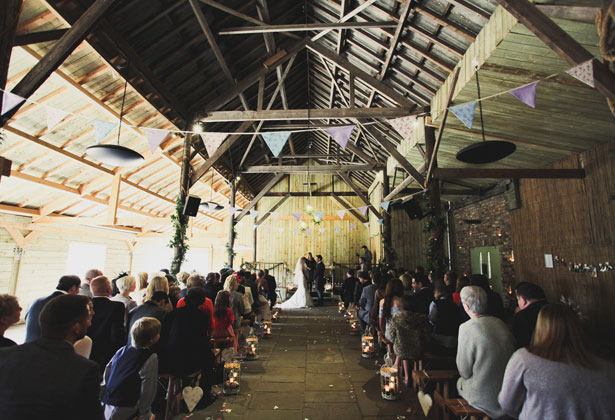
485	345
263	311
224	318
184	346
422	294
85	286
556	377
67	284
153	308
158	282
389	306
495	305
182	277
139	294
107	331
358	289
174	295
531	298
381	283
237	304
366	301
462	282
271	286
198	281
347	291
409	332
9	315
210	287
444	317
126	285
130	378
45	379
450	281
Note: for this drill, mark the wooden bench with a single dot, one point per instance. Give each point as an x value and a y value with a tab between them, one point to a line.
460	408
174	393
442	379
420	365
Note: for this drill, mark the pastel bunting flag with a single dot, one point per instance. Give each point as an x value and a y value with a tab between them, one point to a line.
322	230
404	126
212	141
155	137
297	216
366	224
319	215
352	227
267	228
465	113
385	205
363	210
254	227
254	214
308	231
295	230
336	229
526	94
341	213
232	210
10	101
276	141
380	221
275	215
584	72
102	128
341	135
54	116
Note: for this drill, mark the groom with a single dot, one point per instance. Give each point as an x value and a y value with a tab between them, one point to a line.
319	279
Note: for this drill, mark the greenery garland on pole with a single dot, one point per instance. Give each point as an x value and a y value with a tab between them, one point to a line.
437	262
178	242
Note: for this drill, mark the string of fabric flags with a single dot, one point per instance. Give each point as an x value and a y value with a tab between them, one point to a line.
578	267
276	140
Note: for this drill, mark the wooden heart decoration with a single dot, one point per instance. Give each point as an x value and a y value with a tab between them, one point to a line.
425	401
192	396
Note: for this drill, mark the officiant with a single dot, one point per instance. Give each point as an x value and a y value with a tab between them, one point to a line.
311	267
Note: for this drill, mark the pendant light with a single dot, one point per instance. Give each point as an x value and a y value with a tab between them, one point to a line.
211	205
485	151
115	154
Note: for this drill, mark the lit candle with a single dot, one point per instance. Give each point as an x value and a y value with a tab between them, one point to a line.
387	388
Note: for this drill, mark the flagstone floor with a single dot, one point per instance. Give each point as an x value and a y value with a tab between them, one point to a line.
311	368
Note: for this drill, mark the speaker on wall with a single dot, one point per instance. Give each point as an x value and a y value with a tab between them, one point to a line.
192	206
413	209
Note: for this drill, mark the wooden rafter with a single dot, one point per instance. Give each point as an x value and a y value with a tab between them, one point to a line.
273	208
277	178
305	114
300	169
346	178
349	209
304	27
454	173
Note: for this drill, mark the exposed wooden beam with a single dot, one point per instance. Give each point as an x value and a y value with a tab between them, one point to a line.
273	208
346	17
349	209
455	173
304	114
58	53
114	198
560	42
10	10
346	178
301	169
312	194
585	14
272	182
304	27
37	37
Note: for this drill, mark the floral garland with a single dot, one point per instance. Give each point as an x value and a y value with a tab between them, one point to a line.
437	263
180	223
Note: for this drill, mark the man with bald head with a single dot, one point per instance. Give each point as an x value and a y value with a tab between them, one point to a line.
107	329
85	286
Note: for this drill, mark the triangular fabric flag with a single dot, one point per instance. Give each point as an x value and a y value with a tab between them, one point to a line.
352	227
295	230
366	224
102	128
336	229
276	141
212	141
526	94
341	135
465	113
254	213
254	227
319	215
404	126
267	228
322	230
10	101
363	210
232	210
584	72
297	216
385	205
308	231
154	137
275	215
54	116
341	213
380	221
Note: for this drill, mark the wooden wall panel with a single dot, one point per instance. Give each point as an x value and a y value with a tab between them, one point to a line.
408	239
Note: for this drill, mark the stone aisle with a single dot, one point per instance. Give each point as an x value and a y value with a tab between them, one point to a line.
311	368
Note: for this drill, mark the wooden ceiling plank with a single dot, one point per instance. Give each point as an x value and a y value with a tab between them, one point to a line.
442	20
455	173
305	114
10	10
300	169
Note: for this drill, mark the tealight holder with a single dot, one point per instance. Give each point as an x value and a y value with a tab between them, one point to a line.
354	326
252	348
232	373
389	383
351	313
267	329
367	346
340	307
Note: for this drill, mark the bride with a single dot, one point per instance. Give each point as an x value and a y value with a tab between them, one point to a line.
301	298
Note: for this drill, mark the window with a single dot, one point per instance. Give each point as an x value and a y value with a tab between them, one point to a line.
85	256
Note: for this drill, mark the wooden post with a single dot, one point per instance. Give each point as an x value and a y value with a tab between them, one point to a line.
436	235
255	238
231	232
386	224
184	187
9	18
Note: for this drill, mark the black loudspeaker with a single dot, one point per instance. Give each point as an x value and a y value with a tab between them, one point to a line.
192	206
413	209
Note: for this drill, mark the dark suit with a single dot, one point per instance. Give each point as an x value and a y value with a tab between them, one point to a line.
311	266
33	329
319	281
423	299
524	323
46	379
271	285
147	309
366	303
347	292
107	330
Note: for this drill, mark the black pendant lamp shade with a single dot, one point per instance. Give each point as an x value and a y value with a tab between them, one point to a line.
486	151
211	206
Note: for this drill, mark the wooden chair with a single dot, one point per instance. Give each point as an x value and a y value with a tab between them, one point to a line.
442	379
460	408
174	392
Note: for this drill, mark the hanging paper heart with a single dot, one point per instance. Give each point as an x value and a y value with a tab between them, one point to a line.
54	116
341	135
102	128
363	210
526	94
192	396
385	205
254	213
212	141
465	113
425	401
341	213
276	141
352	227
10	101
404	126
584	72
154	137
297	216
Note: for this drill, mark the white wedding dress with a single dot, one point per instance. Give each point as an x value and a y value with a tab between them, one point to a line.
301	299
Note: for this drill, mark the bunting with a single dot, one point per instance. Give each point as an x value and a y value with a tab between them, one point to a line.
232	211
276	141
155	137
404	126
319	215
526	94
10	101
297	216
54	116
254	213
341	213
584	72
363	210
212	141
380	221
102	128
385	205
366	224
341	135
336	229
465	113
275	215
352	227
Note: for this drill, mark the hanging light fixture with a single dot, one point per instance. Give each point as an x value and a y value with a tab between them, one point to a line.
211	205
115	154
485	151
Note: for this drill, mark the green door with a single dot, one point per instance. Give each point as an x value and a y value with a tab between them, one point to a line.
486	260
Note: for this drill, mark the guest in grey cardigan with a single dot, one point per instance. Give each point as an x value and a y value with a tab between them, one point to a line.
556	377
485	346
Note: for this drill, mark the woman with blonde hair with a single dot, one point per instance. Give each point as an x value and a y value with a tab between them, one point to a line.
158	283
139	294
237	302
556	377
